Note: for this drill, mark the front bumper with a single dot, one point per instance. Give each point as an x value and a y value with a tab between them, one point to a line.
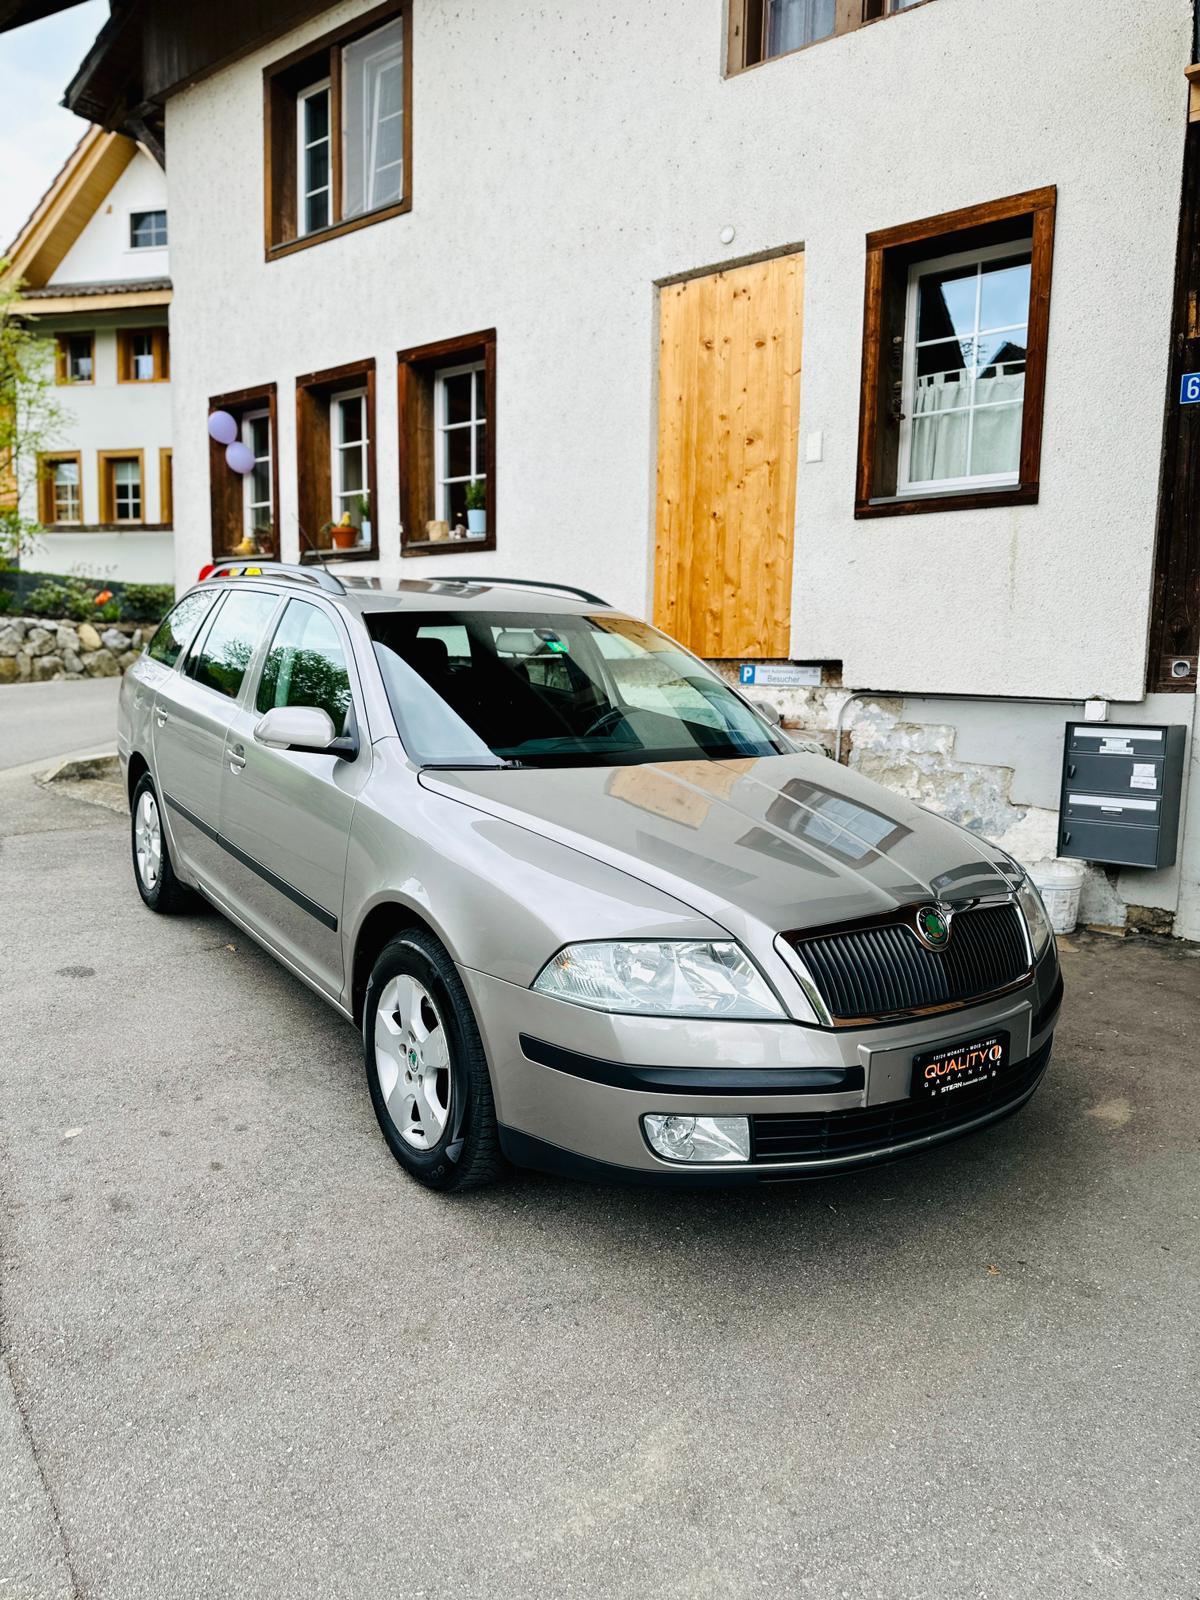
572	1085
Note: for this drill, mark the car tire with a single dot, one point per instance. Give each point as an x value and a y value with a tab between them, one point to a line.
426	1070
153	870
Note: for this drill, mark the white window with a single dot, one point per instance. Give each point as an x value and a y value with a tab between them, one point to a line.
127	490
258	509
66	491
142	352
313	152
373	120
147	230
966	332
460	411
349	442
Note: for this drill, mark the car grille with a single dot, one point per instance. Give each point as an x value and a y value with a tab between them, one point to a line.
839	1135
875	972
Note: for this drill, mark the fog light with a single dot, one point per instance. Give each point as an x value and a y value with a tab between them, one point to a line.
681	1138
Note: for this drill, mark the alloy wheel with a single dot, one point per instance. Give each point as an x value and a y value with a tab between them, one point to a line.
147	841
412	1058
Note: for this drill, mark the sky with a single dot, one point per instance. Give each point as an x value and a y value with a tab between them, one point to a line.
36	134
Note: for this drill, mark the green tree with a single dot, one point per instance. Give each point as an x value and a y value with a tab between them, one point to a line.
30	417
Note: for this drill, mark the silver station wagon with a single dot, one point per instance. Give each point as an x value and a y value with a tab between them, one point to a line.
590	908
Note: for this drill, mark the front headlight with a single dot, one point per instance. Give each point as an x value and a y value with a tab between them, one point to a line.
1037	920
661	978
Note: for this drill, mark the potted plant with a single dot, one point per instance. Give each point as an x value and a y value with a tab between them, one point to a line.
342	535
477	507
364	517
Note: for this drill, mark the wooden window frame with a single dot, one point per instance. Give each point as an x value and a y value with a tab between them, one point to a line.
283	81
415	370
746	42
46	462
314	457
105	460
166	486
160	350
226	489
62	358
891	254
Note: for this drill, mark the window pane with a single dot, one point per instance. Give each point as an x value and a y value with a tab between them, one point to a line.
351	476
316	167
945	362
351	414
1004	294
481	392
231	644
306	666
316	116
80	357
373	119
458	452
939	447
458	397
259	439
260	485
178	628
66	472
996	438
481	450
316	212
946	303
792	23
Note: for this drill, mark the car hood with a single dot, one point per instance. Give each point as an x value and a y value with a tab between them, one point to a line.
790	841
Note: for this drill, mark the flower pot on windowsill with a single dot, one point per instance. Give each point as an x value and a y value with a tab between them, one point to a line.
344	538
477	524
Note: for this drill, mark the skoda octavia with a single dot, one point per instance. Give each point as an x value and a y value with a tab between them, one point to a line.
590	908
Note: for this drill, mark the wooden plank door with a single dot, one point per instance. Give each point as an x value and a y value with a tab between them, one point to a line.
728	431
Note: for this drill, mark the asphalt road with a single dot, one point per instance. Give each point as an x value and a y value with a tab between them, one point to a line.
245	1356
42	721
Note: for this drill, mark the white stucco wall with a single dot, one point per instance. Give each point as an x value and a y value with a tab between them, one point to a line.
107	415
102	253
562	166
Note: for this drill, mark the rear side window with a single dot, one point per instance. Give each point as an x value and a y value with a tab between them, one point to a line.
306	665
178	628
230	643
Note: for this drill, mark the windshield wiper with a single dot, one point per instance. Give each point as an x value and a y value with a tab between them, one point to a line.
470	766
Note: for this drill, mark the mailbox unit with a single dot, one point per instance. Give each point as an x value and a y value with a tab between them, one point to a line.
1120	793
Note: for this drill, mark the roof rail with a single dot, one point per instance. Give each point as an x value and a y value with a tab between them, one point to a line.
229	568
533	583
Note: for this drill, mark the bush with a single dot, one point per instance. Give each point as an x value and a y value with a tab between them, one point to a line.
148	602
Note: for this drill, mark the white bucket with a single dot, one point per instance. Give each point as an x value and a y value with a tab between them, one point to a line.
1059	883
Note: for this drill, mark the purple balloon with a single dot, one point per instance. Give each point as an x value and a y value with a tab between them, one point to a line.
222	427
240	458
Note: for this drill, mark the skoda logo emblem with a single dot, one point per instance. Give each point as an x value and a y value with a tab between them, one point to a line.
933	927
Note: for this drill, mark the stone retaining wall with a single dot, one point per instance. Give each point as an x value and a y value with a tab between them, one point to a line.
35	649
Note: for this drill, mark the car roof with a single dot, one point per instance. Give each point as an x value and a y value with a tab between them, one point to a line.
372	595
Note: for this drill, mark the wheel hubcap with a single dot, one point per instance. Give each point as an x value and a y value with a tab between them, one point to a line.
412	1058
147	840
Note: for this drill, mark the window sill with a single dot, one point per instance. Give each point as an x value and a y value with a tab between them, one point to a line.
106	527
323	557
1021	494
288	247
448	547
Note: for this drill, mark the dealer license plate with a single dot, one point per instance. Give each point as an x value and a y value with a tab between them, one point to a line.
959	1068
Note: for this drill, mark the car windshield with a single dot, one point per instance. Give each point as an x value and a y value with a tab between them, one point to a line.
489	688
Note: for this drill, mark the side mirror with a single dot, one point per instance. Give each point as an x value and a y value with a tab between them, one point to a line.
306	728
771	712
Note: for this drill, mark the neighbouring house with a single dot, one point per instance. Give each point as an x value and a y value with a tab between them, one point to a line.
832	334
93	264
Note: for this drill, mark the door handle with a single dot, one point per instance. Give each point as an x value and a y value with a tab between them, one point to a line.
160	716
237	758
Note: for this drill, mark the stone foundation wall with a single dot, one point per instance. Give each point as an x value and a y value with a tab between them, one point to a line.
36	649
